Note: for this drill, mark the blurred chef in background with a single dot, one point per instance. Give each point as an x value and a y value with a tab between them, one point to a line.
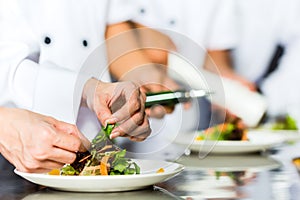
267	52
210	25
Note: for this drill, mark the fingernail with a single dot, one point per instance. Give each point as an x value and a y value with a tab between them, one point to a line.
110	121
114	135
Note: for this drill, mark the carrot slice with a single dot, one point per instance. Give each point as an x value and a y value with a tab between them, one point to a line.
160	170
54	172
103	166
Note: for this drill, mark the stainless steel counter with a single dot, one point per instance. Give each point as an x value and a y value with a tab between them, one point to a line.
267	176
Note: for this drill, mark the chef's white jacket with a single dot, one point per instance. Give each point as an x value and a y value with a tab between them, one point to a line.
208	23
264	24
43	45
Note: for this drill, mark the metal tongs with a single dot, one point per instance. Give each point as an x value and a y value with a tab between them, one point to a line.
169	98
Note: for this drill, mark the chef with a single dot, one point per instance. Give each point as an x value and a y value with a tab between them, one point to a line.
209	25
44	45
269	29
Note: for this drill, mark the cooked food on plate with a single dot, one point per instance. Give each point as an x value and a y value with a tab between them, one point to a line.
284	123
103	158
234	129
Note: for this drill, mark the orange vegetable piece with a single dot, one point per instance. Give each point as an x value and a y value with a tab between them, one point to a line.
54	172
103	166
160	170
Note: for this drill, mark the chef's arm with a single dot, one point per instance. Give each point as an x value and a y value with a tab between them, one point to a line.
220	62
140	46
123	50
45	88
131	60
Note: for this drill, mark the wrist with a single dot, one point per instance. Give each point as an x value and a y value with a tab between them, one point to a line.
89	90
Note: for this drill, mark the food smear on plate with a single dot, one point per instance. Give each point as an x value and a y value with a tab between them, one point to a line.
231	130
160	170
296	162
103	158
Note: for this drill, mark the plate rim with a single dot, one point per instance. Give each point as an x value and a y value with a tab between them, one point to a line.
150	179
247	146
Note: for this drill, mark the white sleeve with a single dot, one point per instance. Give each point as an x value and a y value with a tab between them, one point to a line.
44	88
223	32
281	87
121	10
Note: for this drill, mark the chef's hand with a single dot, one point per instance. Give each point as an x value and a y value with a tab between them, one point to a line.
153	78
37	143
122	103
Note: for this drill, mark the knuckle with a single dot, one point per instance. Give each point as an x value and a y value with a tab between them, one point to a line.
136	105
140	118
46	135
146	123
76	144
143	95
73	127
29	165
70	159
39	154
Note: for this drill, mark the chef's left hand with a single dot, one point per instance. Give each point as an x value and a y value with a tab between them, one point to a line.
122	103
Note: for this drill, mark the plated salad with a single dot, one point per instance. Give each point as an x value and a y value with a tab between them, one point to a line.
231	130
284	123
103	158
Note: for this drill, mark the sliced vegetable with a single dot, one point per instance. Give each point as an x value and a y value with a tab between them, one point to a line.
103	158
160	170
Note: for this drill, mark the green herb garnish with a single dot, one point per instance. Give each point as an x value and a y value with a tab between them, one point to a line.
103	158
285	123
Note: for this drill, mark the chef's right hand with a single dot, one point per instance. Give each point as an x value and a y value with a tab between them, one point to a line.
122	103
37	143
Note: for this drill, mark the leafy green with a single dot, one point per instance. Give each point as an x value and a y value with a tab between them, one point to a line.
103	155
285	123
220	132
69	170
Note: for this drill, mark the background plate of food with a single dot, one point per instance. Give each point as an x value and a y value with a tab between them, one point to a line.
231	138
151	172
285	126
257	141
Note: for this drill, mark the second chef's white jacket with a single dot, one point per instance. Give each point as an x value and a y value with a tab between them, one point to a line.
264	24
210	24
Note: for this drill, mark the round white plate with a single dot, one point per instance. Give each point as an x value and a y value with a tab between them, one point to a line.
288	135
258	141
147	177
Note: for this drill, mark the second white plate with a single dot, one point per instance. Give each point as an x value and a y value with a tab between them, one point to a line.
258	141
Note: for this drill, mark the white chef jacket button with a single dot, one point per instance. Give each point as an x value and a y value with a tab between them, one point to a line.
172	22
47	40
142	10
84	43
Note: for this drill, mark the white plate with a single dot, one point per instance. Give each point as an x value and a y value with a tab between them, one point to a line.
288	135
258	141
147	177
